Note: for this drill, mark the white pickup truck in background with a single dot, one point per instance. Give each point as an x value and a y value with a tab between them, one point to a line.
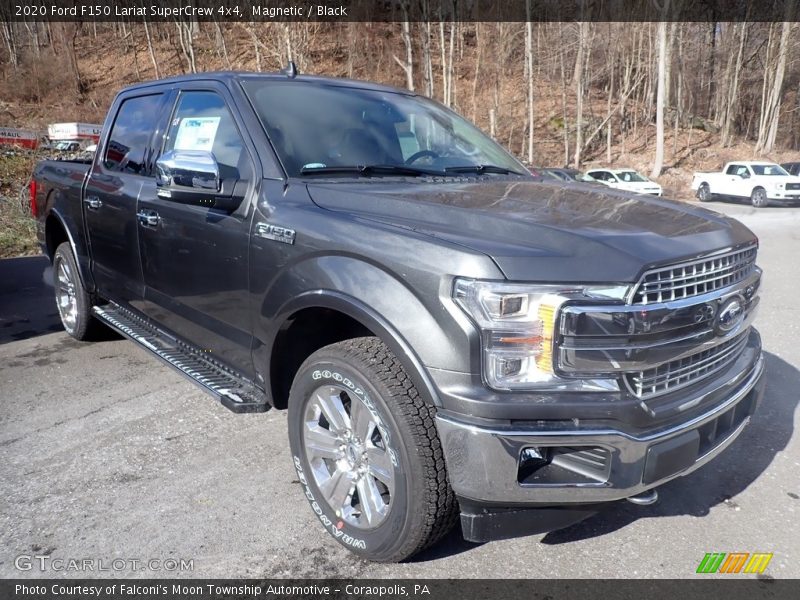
759	181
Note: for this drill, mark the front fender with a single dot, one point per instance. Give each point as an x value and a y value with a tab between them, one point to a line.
418	328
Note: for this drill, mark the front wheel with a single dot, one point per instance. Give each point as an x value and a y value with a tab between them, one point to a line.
759	198
366	451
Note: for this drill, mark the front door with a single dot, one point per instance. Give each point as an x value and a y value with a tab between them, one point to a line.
195	258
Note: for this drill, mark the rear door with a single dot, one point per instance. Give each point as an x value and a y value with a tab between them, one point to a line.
195	259
122	166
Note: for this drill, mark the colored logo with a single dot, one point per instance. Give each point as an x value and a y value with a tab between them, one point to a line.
734	562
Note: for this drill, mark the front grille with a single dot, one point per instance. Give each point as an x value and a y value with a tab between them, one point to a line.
694	278
793	186
679	373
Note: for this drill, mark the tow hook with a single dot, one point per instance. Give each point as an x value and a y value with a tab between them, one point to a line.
645	498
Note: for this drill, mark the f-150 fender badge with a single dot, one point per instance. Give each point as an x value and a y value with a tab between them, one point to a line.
274	232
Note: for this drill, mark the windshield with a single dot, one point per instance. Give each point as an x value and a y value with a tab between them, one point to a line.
629	176
768	170
318	127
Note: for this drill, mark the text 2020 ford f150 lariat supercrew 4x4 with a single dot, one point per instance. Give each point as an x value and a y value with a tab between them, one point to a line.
449	336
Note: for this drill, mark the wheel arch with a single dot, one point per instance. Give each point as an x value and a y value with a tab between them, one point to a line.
56	233
345	317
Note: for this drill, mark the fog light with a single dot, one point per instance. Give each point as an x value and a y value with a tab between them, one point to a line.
531	460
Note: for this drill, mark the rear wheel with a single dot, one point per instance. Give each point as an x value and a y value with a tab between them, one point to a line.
704	193
73	301
366	451
759	198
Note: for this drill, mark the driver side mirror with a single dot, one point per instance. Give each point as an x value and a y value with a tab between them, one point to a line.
192	177
744	175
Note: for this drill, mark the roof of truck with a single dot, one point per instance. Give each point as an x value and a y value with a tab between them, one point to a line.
228	77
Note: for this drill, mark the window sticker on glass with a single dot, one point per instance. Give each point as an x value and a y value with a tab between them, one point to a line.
197	133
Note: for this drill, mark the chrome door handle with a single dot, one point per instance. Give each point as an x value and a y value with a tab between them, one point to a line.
148	218
93	202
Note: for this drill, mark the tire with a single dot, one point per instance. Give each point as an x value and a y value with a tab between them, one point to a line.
759	198
392	451
704	193
74	303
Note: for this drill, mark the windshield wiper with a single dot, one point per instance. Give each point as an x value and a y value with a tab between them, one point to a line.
480	169
368	170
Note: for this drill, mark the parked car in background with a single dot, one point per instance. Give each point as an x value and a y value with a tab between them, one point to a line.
570	175
626	179
757	180
68	146
793	168
542	174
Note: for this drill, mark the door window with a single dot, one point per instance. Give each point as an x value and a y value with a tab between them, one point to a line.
128	147
734	170
202	121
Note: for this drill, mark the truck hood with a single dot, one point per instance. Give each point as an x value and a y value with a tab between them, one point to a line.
537	231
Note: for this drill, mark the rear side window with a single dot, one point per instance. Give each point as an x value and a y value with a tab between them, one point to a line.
129	142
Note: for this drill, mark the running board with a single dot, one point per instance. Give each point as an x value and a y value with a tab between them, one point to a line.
232	390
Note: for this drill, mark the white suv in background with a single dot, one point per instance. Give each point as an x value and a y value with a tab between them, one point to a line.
626	179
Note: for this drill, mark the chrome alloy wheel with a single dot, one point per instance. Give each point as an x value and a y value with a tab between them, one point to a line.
346	447
65	295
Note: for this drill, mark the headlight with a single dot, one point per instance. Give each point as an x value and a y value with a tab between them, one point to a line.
517	324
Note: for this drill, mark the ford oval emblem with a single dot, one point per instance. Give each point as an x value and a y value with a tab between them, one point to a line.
730	315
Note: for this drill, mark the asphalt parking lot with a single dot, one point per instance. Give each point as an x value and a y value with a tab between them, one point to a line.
106	454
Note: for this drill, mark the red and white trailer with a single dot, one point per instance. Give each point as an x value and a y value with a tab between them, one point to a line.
25	138
58	132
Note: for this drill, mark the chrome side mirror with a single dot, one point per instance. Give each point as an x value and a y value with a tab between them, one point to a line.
187	175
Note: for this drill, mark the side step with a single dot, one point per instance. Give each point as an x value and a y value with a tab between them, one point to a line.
232	390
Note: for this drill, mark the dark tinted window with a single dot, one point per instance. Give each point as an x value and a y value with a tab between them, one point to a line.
202	121
733	170
130	135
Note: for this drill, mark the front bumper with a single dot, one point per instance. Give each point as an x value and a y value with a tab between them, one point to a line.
486	464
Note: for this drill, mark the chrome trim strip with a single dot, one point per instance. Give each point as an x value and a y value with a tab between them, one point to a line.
719	295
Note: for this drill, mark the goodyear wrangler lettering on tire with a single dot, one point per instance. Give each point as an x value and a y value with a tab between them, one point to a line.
366	451
326	522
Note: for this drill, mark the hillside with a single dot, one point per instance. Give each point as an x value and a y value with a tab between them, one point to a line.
71	72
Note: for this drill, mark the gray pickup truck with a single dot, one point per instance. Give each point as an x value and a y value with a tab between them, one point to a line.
450	337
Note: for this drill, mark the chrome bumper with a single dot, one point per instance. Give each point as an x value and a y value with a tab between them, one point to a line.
484	463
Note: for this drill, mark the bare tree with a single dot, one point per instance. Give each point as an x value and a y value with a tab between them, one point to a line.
771	105
529	75
658	162
408	64
150	49
579	80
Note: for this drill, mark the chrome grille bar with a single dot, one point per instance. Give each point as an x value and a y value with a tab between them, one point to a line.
694	278
677	374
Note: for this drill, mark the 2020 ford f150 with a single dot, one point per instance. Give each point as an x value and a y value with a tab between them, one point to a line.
450	336
757	181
